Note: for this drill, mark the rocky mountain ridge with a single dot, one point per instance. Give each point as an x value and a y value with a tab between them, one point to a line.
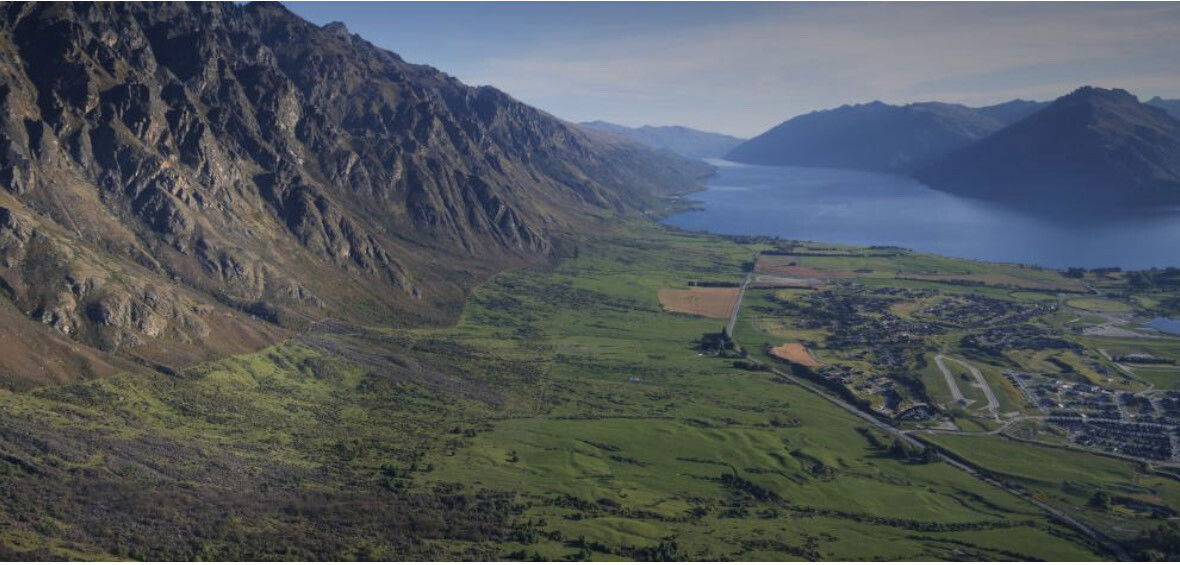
188	180
1094	147
1172	106
876	136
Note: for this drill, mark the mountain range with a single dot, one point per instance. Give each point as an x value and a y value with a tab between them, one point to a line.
1093	146
183	181
878	136
1172	106
681	140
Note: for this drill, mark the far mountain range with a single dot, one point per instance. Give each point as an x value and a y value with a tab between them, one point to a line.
1096	146
683	141
877	136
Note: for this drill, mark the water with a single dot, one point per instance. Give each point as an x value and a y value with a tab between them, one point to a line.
1166	325
861	208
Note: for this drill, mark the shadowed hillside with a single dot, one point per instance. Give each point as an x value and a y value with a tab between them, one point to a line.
1172	106
876	136
1092	147
187	180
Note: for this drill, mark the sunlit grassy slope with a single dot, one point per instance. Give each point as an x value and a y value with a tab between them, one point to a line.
565	416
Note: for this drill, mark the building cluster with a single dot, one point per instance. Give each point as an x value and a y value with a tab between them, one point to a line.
1167	407
1117	422
981	311
1021	336
1135	439
1062	397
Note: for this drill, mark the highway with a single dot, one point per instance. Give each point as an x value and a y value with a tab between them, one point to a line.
737	306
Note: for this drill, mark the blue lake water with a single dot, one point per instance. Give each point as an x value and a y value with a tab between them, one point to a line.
1166	325
862	208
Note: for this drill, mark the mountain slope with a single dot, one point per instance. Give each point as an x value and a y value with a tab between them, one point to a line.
683	141
1172	106
874	136
186	180
1011	111
1094	146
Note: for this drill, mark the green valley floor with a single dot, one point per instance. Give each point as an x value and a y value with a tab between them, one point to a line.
566	416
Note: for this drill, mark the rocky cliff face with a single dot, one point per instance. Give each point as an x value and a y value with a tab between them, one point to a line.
1094	147
181	180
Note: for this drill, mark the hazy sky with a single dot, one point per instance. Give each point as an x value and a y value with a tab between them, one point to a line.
741	68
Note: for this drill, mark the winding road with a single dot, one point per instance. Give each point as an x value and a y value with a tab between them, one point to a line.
993	405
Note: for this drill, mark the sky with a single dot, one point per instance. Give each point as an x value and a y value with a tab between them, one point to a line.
741	68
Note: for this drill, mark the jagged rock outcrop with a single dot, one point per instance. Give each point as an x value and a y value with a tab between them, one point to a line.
167	165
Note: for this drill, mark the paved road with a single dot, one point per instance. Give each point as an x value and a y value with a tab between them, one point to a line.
737	306
951	383
993	405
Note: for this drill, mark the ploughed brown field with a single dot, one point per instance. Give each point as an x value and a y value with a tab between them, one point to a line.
710	302
795	353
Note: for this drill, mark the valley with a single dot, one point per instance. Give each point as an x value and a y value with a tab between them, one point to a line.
568	415
269	291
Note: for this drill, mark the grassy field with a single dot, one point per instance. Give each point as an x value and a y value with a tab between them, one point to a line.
1099	305
634	445
1069	479
566	416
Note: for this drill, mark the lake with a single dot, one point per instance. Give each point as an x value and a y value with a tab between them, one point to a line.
863	208
1166	325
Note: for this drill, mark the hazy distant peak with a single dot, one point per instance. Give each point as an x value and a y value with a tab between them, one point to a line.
1095	92
682	140
1171	106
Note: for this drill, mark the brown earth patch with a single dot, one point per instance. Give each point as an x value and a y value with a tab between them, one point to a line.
710	302
795	353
